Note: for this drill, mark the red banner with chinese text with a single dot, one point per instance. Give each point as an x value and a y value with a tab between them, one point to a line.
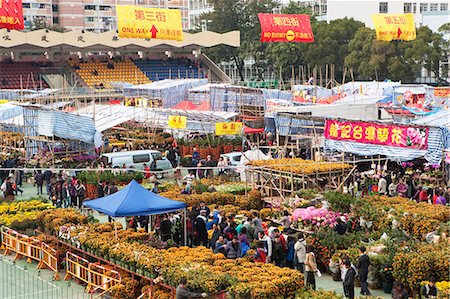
11	15
379	134
285	28
442	92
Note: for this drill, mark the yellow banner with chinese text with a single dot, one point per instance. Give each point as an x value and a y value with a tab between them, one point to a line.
394	27
177	122
231	128
141	22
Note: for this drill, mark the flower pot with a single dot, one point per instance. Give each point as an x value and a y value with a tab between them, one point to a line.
387	286
227	149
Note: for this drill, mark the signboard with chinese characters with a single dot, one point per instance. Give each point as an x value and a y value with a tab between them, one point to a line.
394	27
177	122
442	92
231	128
141	22
285	28
380	134
11	15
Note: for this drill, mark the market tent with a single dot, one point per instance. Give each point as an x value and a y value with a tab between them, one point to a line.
248	130
134	200
185	105
204	106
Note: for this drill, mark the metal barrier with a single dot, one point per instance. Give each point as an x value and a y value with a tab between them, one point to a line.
19	281
95	276
77	267
49	258
9	239
31	248
103	278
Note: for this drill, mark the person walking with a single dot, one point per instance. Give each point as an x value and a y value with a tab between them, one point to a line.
300	252
200	232
81	193
310	268
39	181
363	270
184	293
382	186
349	281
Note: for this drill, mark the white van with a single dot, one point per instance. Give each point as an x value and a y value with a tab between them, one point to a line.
137	159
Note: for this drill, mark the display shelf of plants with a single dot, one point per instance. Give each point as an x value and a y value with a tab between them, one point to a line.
210	145
300	166
120	178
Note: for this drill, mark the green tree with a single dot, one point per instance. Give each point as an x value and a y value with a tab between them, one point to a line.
397	60
42	23
242	15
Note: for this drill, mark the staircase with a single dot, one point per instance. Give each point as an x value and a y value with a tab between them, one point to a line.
216	74
56	81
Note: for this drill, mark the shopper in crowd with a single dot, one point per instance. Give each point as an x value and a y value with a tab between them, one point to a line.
300	251
363	270
382	186
267	242
39	181
233	248
81	193
349	282
310	267
183	292
200	233
430	290
399	291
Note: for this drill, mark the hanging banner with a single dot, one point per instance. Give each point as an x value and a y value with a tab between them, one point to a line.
177	122
231	128
394	27
285	28
379	134
11	15
141	22
442	92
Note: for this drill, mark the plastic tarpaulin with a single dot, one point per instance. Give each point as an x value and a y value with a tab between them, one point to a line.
433	154
134	200
170	91
65	125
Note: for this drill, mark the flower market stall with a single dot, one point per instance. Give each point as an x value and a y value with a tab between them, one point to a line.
134	200
282	177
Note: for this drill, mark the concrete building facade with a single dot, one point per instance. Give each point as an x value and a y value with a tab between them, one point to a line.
100	15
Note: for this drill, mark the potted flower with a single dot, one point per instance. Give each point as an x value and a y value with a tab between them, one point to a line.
386	278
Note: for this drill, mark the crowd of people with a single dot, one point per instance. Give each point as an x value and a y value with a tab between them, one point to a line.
414	187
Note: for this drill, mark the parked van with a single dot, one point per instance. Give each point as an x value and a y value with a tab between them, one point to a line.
137	159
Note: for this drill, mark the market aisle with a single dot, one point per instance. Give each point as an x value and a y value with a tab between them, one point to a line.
327	283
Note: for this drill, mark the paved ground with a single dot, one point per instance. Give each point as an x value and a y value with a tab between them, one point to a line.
43	287
22	280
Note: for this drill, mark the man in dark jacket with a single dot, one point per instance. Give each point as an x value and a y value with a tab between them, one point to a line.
200	232
47	176
349	285
100	191
363	270
184	293
39	181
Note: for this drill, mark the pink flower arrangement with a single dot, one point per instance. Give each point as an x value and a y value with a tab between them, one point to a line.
317	217
415	137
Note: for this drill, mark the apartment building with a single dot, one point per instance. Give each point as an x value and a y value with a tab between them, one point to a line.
100	15
431	13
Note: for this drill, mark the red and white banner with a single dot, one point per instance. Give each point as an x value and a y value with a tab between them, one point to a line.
11	15
380	134
285	28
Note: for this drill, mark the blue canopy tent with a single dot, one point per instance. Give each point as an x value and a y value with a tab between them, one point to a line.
135	200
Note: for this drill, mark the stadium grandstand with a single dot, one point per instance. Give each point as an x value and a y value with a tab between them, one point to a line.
44	59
